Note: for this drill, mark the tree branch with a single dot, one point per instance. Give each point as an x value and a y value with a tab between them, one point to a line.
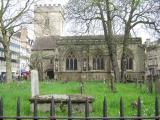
142	22
18	15
5	8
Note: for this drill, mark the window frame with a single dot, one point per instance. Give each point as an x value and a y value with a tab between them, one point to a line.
129	63
71	62
98	62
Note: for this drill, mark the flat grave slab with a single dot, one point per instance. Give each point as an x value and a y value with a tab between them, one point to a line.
61	102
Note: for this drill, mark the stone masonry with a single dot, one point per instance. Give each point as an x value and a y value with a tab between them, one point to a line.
80	57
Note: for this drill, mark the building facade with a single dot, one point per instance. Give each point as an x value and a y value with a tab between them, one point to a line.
153	57
86	57
49	20
20	54
25	51
15	50
79	57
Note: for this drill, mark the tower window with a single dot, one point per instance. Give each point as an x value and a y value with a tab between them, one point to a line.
47	22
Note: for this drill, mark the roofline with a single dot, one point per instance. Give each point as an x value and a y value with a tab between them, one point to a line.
41	49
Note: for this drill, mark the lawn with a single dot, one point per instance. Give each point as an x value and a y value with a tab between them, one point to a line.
129	92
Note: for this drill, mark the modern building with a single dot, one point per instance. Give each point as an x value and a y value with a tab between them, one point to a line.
15	50
20	54
78	57
25	51
153	57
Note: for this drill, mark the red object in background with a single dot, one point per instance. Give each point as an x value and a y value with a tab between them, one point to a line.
25	75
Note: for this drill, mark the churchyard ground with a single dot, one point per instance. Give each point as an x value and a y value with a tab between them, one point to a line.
129	92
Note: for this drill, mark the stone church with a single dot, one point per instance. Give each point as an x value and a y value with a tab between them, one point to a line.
79	57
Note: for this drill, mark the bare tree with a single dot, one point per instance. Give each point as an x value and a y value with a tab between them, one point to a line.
133	13
36	62
109	38
13	13
91	12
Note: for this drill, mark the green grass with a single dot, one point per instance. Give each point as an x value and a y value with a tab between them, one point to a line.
98	90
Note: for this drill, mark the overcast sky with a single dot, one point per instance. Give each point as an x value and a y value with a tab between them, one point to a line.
138	31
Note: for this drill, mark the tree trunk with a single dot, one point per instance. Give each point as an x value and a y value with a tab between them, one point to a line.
7	54
108	33
124	54
113	56
112	43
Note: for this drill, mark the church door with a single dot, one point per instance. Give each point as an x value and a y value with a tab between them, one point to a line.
50	74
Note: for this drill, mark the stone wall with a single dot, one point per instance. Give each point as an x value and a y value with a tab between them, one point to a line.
77	76
85	48
49	22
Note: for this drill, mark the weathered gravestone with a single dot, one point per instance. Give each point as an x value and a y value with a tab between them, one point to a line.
157	86
150	84
34	83
61	101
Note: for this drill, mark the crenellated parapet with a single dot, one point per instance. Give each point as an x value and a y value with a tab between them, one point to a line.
48	8
41	5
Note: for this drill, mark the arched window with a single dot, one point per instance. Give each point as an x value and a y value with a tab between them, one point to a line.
98	63
129	63
71	62
46	22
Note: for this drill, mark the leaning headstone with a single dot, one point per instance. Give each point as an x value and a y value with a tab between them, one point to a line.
34	83
81	87
157	86
150	86
136	81
104	82
140	84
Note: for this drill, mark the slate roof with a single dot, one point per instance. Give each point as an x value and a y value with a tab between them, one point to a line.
45	43
50	42
86	37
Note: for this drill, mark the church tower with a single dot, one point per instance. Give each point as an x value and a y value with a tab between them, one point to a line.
49	20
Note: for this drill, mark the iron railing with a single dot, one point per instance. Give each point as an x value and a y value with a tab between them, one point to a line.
87	116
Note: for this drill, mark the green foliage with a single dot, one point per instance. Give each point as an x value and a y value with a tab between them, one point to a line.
98	90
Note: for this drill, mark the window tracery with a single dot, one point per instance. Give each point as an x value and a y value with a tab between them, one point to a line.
71	62
98	62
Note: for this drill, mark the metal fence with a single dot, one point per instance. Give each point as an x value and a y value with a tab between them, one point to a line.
70	116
